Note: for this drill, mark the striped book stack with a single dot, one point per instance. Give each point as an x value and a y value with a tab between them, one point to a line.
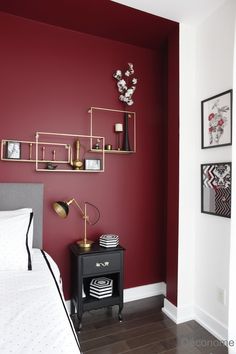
109	240
101	287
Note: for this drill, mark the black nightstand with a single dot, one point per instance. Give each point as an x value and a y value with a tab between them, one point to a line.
94	263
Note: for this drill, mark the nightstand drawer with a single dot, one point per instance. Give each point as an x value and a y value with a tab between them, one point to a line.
96	264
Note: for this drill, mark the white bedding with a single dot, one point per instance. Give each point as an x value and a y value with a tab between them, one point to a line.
32	316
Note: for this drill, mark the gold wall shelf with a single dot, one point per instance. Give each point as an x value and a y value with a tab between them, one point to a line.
57	152
80	156
29	148
114	151
102	119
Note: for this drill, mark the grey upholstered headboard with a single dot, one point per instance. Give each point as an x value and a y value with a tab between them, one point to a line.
25	195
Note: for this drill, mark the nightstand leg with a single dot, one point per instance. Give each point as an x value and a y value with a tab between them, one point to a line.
119	313
72	307
79	323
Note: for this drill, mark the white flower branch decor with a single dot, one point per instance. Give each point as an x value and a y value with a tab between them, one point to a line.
126	92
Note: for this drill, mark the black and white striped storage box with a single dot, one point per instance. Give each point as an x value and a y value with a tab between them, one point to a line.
101	287
109	240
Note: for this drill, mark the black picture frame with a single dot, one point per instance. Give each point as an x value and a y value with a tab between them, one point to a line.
13	150
216	120
216	188
92	164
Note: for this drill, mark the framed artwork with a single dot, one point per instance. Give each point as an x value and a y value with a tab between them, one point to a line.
92	164
216	189
13	150
216	114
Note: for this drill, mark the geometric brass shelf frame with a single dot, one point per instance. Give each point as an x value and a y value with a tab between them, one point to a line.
131	116
31	143
87	142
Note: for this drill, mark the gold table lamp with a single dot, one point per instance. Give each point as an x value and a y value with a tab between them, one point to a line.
62	209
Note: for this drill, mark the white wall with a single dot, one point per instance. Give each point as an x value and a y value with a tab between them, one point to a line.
232	279
214	70
204	240
188	172
188	178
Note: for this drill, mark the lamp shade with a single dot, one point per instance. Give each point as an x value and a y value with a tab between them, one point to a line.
61	208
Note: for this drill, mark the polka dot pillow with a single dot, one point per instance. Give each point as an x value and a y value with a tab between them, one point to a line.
15	250
22	211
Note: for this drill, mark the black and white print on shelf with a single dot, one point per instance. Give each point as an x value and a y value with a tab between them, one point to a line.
216	189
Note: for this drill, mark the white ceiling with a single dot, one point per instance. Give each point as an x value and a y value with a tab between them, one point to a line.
186	11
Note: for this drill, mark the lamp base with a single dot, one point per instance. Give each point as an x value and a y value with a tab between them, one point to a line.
85	244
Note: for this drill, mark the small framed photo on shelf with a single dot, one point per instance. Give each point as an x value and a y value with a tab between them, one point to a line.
216	189
92	164
216	115
13	150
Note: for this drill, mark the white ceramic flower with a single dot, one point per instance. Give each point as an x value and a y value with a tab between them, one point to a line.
121	84
126	92
118	75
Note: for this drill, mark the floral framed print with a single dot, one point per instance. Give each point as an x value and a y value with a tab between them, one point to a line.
216	189
217	120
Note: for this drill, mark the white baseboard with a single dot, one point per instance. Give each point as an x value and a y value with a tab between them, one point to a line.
170	310
211	324
180	314
188	313
144	291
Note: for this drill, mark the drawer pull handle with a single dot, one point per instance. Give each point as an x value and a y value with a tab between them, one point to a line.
104	264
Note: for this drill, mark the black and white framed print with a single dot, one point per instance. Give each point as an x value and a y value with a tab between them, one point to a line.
92	164
216	114
13	150
216	189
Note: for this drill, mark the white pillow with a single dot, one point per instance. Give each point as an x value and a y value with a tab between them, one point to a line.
14	250
22	211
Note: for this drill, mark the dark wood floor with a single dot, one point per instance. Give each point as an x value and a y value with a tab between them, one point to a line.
145	330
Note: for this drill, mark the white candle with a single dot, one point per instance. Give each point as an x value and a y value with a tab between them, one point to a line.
118	127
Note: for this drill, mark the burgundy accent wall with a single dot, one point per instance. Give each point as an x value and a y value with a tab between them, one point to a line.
49	78
172	168
103	18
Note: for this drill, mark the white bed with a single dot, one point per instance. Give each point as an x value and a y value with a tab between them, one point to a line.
33	315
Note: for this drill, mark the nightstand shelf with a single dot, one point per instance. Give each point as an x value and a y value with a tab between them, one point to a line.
96	303
96	263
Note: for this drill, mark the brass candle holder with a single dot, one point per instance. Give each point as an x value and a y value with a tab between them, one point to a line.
118	131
